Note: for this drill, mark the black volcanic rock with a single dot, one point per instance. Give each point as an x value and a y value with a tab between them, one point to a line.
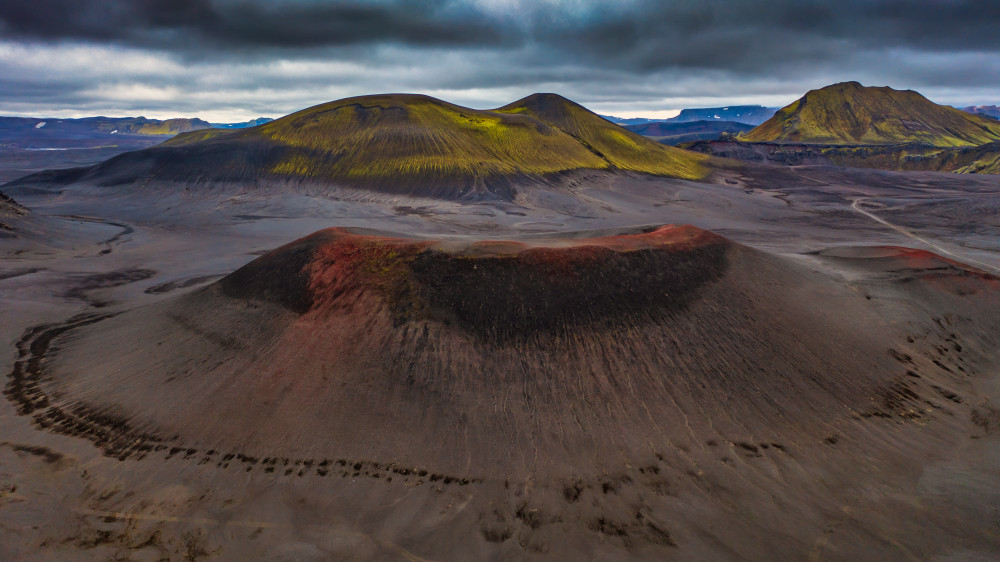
674	133
9	209
984	159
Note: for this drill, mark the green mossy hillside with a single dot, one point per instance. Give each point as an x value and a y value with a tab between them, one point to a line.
620	147
414	135
404	144
849	113
196	136
401	136
169	126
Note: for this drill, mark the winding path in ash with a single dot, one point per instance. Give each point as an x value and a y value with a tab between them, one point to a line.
115	438
856	206
112	242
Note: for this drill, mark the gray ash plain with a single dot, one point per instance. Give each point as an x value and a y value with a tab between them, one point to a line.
824	394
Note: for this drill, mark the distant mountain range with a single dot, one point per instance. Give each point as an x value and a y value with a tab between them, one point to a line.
423	145
629	120
746	114
30	132
243	125
88	132
991	111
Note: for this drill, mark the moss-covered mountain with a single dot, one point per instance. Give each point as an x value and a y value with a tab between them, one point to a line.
409	135
404	143
618	147
851	114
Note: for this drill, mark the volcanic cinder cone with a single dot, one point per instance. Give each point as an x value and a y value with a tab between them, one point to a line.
468	357
602	378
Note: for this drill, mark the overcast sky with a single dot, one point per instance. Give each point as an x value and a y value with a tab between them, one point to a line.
227	60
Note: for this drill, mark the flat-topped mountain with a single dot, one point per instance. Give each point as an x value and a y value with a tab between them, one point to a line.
849	113
748	114
400	143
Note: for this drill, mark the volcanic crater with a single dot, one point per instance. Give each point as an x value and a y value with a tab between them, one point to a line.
580	384
462	356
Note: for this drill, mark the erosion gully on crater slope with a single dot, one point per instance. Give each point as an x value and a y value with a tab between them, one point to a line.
682	395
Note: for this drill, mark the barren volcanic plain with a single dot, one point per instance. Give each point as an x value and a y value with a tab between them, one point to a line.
394	328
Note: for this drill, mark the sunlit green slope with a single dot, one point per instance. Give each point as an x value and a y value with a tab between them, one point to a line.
849	113
404	136
621	148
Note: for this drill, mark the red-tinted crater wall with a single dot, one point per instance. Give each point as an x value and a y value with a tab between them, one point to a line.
498	290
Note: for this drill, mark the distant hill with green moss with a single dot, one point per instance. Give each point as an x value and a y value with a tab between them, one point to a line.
851	114
406	143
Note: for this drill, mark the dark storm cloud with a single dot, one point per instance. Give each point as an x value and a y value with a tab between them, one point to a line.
748	35
642	35
273	56
191	24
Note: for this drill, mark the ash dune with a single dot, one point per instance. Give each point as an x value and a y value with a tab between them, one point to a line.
398	143
628	394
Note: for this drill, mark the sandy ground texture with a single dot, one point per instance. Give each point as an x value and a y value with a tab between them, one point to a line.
822	395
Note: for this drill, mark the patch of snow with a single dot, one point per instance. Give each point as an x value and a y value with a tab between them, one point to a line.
115	132
70	148
716	116
40	125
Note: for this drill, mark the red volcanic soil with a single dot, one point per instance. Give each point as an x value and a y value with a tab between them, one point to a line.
649	394
502	288
902	258
904	265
